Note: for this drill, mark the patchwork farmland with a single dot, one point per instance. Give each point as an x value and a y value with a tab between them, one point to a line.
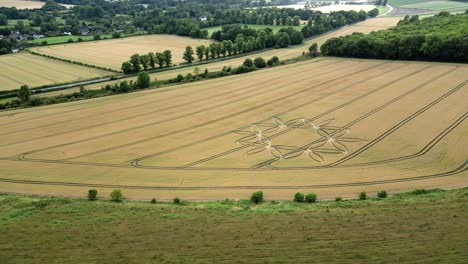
332	126
112	53
284	54
32	70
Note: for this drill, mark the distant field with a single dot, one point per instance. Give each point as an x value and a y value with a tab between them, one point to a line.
428	228
24	68
112	53
439	5
275	28
64	39
25	4
332	126
332	8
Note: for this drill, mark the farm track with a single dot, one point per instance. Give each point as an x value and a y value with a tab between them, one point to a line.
127	108
311	118
462	168
23	156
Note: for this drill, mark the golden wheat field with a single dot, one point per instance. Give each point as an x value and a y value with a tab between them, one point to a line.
32	70
25	4
112	53
332	126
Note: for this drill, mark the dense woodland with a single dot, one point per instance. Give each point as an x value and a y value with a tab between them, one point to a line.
443	37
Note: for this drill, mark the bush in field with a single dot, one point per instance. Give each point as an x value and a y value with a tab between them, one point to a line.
260	62
153	201
177	200
311	198
273	61
24	94
97	37
338	199
143	80
127	67
248	63
363	196
180	78
382	194
116	196
256	197
419	191
299	197
92	195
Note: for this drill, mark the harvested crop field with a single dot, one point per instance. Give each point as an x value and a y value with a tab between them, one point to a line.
112	53
32	70
333	126
25	4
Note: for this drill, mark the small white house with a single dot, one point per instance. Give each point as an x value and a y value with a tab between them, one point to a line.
203	18
67	33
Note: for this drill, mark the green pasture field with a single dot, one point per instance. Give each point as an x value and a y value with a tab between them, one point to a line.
409	228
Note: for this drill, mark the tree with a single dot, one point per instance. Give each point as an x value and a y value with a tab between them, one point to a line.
382	194
296	38
145	61
188	54
24	94
152	60
3	20
135	61
167	57
282	40
373	13
313	48
260	62
363	196
299	197
228	46
127	67
207	52
116	196
143	80
248	63
92	195
311	198
160	59
256	197
200	52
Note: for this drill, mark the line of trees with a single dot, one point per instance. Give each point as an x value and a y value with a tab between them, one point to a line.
439	38
147	61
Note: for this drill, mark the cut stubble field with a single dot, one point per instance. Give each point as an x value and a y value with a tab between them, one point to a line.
32	70
112	53
332	126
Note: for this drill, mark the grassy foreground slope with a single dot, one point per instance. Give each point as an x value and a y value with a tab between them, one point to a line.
428	228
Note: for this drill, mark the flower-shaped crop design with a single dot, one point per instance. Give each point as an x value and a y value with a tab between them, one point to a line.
259	140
